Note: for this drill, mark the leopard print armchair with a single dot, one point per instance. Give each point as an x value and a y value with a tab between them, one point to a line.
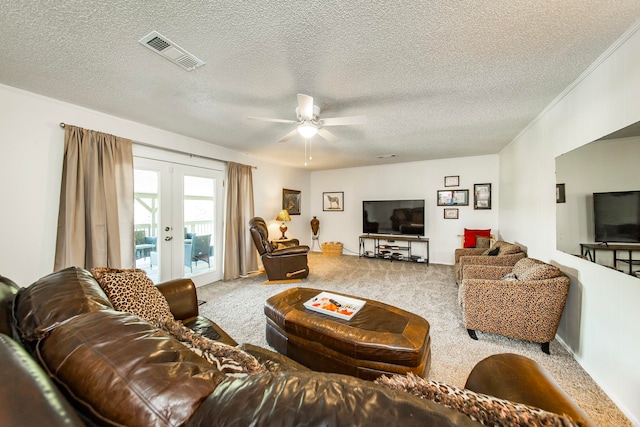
508	254
523	302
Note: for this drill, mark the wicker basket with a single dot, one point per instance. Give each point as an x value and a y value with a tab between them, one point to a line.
332	248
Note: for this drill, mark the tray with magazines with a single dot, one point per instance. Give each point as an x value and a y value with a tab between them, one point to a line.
335	305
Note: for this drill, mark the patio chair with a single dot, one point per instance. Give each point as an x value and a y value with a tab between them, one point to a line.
143	244
198	249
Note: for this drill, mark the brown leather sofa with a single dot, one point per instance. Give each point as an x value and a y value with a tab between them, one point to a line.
289	262
115	369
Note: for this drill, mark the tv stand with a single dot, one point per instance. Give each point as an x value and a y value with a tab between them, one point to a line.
386	247
589	250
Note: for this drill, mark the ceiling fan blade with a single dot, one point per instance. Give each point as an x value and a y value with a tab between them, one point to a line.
265	119
323	133
288	136
340	121
305	104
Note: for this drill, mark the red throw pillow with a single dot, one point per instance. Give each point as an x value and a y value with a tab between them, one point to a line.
470	236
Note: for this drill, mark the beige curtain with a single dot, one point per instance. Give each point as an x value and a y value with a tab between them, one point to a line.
95	220
240	256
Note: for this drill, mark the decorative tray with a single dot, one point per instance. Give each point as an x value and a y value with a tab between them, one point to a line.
335	305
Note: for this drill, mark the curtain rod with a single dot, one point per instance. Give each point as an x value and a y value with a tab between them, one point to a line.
172	150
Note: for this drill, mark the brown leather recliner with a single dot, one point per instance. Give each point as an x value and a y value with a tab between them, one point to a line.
282	263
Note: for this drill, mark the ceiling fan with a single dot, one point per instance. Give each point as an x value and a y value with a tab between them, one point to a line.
309	122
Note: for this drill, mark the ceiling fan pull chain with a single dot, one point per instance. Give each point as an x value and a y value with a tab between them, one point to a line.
310	157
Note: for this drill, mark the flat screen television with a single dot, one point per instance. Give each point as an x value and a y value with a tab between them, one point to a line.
393	217
616	216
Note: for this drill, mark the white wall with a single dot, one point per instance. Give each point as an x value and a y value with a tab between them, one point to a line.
416	180
31	150
600	322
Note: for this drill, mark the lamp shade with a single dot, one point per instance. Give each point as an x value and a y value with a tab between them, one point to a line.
307	130
283	216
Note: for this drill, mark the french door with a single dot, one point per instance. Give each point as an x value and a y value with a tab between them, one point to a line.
178	213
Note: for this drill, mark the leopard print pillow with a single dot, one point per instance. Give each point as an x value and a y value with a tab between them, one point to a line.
523	265
487	410
509	249
540	272
132	291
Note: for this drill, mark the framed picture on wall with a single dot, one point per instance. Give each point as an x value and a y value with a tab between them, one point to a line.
452	181
560	194
333	201
291	201
482	196
451	213
453	197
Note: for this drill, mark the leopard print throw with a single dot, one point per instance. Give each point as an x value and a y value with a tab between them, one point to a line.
487	410
132	291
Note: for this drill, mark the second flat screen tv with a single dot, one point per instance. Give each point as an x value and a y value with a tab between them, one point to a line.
395	217
616	216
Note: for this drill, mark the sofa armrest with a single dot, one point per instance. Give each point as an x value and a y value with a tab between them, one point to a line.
490	272
28	397
275	362
460	252
290	250
182	298
520	379
510	259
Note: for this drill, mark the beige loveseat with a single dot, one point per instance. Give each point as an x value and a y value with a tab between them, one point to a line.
524	302
507	254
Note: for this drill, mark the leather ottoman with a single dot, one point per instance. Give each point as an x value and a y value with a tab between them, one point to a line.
379	339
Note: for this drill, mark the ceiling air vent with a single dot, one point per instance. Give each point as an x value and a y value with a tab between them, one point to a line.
171	51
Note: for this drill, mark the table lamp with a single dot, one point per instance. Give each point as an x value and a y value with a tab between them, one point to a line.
283	216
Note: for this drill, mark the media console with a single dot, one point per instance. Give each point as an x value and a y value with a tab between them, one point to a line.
387	247
589	250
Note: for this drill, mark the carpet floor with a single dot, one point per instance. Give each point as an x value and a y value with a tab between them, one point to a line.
428	291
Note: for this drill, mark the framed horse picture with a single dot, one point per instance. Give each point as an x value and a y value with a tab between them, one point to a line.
333	201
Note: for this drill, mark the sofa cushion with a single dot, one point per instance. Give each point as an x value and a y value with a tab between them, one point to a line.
470	236
307	398
121	370
483	242
484	408
540	271
491	252
523	265
509	249
54	299
132	291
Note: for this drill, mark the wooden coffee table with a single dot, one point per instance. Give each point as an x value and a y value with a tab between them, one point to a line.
379	339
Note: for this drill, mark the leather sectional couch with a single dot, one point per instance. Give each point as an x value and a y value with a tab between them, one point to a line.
78	361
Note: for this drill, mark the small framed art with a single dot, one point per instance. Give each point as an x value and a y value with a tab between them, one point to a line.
333	201
482	196
291	201
452	181
453	197
451	213
560	194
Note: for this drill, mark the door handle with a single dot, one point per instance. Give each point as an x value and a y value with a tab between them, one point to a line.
168	238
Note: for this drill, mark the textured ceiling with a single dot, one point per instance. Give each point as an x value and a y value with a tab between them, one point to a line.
435	79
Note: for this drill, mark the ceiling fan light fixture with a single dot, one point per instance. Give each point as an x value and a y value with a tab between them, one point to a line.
307	130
